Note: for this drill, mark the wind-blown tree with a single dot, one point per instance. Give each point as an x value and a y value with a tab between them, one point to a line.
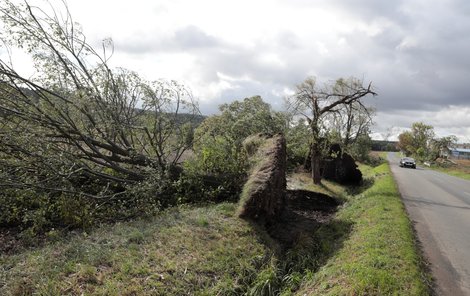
421	143
220	165
316	102
350	127
441	146
352	122
218	140
296	145
78	119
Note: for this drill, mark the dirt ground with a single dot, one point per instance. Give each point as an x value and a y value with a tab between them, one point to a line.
306	211
8	240
462	165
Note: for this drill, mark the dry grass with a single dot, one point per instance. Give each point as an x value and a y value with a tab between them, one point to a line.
461	169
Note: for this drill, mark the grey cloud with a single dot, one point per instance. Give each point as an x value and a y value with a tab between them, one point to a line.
193	37
241	90
189	38
417	61
288	40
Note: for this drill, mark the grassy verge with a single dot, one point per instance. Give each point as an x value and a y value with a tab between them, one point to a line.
367	249
379	256
202	251
456	172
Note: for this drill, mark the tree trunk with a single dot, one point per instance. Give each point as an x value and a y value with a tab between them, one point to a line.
315	162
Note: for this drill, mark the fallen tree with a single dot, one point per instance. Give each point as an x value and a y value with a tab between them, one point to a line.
77	120
316	104
264	195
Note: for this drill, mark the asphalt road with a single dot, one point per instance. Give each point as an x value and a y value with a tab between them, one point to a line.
439	206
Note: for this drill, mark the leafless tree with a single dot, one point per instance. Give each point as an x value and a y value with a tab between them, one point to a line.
351	122
316	102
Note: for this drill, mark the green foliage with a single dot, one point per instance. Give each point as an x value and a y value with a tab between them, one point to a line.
297	142
405	143
422	135
196	251
220	165
216	173
420	142
37	211
82	142
360	149
238	120
241	119
367	249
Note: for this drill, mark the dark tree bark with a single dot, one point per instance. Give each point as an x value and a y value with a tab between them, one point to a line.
315	103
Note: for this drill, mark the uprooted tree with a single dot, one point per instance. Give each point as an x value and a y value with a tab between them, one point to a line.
77	120
316	103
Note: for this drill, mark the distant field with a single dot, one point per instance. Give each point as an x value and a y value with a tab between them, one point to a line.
463	165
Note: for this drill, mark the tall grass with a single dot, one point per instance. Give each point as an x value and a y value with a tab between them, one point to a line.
367	249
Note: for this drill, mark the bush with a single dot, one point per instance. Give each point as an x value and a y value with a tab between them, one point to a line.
217	173
38	211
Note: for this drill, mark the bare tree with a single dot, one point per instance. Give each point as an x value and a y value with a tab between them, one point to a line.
351	122
77	116
315	103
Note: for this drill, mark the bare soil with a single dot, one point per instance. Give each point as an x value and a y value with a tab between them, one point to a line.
305	212
9	241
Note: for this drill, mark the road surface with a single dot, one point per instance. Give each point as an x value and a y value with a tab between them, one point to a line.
439	206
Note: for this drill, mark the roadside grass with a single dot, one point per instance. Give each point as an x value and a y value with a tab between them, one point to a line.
193	251
379	256
366	249
462	172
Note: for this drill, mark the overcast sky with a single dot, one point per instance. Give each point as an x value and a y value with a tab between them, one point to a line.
415	52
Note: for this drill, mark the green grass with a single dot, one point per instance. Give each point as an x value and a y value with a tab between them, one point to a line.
367	249
464	174
378	255
200	251
459	171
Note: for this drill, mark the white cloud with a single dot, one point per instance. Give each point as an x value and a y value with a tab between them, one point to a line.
415	53
451	120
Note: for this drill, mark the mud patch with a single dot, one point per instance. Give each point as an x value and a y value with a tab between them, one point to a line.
306	211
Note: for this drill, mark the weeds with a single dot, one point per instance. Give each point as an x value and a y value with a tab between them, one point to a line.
366	249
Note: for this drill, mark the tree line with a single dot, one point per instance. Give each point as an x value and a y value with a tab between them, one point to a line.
422	143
